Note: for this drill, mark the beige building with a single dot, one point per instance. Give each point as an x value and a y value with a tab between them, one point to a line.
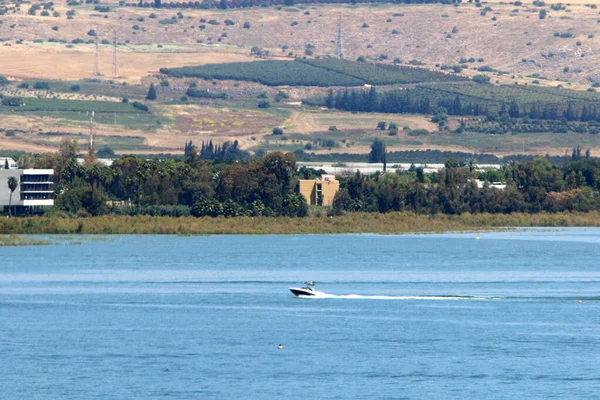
315	189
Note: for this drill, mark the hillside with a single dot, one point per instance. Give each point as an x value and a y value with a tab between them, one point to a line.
502	36
227	58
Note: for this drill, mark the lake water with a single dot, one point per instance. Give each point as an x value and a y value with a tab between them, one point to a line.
409	317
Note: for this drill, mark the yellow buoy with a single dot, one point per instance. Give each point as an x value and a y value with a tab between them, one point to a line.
477	237
280	347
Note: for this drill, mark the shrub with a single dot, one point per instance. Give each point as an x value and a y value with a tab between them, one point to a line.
12	101
263	104
481	78
140	106
277	131
41	85
418	132
75	88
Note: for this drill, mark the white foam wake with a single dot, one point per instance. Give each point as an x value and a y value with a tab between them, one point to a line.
322	295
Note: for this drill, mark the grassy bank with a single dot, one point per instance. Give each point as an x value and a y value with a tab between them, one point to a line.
16	240
352	223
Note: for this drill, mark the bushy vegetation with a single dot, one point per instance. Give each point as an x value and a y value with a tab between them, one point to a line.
393	222
493	102
423	156
207	183
205	94
35	104
267	187
532	187
318	72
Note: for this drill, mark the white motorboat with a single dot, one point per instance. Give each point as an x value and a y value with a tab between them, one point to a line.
307	291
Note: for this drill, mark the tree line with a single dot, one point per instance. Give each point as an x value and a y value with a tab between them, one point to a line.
428	100
268	186
531	187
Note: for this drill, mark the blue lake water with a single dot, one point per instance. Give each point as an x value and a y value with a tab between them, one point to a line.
409	317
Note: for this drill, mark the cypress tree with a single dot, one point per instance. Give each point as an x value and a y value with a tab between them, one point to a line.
151	93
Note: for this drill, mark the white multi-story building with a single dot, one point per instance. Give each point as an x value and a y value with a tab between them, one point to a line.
35	189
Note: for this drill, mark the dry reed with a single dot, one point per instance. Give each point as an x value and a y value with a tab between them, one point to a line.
351	223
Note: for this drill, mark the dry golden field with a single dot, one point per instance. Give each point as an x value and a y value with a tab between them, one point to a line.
53	61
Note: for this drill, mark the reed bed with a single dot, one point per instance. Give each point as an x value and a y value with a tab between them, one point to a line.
16	240
391	223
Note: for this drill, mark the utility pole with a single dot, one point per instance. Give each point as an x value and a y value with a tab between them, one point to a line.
339	49
91	129
97	66
115	67
91	156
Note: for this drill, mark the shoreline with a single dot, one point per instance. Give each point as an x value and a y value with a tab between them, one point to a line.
391	223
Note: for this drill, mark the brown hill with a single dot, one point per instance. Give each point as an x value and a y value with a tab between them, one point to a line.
508	38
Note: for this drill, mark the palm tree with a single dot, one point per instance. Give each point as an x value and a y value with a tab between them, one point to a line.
12	185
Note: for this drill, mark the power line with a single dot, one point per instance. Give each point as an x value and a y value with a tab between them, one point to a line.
339	50
97	66
115	66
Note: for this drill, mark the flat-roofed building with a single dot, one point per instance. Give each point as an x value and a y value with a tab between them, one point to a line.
35	189
8	162
319	191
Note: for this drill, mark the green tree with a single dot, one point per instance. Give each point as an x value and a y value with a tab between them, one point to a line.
151	93
378	153
440	117
6	166
207	207
12	185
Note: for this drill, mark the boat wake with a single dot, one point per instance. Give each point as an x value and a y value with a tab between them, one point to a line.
322	295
